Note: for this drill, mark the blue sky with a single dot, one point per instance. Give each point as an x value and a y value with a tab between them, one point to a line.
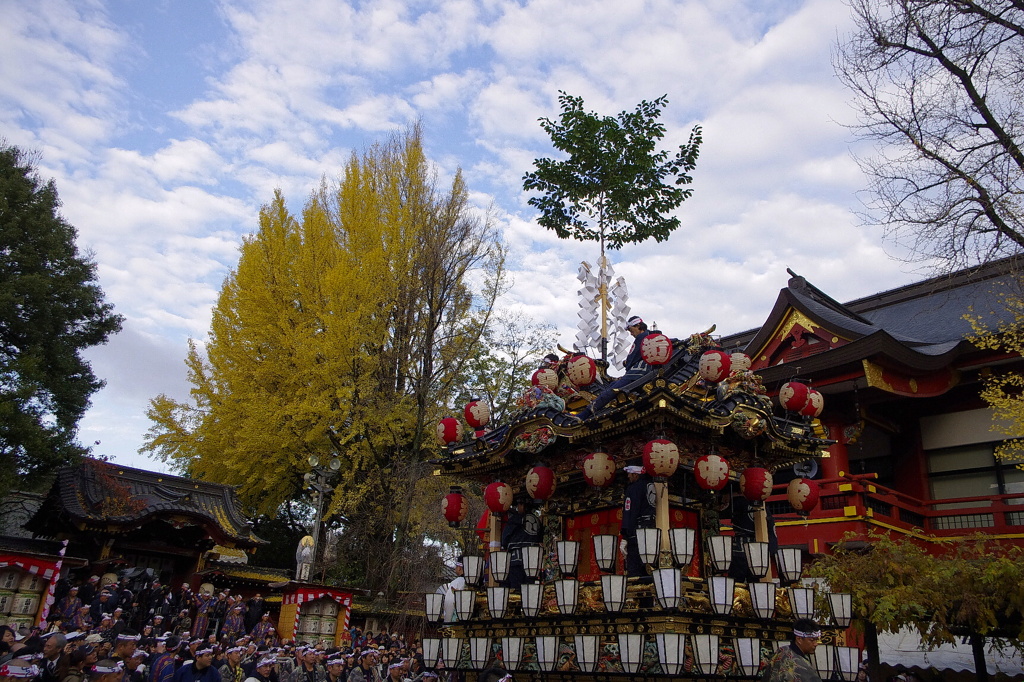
166	124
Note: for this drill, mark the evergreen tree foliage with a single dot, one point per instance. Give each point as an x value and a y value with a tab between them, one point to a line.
614	175
344	331
51	309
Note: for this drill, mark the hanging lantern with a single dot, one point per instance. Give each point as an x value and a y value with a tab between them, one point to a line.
540	482
815	404
803	494
546	377
454	507
498	497
714	365
477	413
656	349
598	469
711	472
739	362
793	396
661	457
449	430
581	370
756	484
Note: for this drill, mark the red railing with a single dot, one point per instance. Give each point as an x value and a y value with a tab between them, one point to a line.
856	503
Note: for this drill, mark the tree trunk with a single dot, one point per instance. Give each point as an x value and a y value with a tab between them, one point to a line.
980	667
871	648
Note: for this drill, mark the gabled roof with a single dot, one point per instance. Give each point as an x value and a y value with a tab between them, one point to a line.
920	326
103	496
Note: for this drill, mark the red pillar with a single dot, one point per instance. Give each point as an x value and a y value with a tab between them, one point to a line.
838	459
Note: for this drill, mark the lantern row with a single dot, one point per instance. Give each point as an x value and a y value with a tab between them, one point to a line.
667	581
446	652
661	459
714	367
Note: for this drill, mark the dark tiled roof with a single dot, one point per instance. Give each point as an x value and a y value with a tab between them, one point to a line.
927	316
99	493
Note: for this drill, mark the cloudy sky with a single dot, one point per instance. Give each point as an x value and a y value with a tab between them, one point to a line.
167	123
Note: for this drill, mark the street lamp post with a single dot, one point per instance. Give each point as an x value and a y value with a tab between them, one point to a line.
318	478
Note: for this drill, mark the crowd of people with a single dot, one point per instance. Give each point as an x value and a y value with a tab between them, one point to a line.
129	657
112	634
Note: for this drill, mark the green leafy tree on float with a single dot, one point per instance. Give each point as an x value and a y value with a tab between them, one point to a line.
615	187
51	309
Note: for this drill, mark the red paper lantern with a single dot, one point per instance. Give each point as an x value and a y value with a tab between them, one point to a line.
740	362
661	457
454	507
793	396
815	404
483	526
714	365
656	349
711	472
540	482
477	414
756	484
802	493
598	469
581	370
449	430
498	497
546	377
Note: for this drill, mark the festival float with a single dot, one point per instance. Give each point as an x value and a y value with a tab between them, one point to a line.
716	600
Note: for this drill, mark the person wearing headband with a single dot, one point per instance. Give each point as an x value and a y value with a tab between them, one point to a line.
335	668
792	663
232	671
200	669
162	665
307	669
366	671
107	670
125	645
264	669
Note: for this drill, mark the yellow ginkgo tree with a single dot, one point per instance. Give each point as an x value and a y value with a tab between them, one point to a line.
344	331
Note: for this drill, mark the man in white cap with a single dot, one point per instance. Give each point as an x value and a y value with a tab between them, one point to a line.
637	512
634	361
458	583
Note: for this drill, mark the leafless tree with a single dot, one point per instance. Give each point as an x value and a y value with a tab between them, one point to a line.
939	87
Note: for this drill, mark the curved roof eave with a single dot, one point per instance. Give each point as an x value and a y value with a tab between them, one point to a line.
881	347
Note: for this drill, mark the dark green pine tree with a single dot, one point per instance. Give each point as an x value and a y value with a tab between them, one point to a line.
51	308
